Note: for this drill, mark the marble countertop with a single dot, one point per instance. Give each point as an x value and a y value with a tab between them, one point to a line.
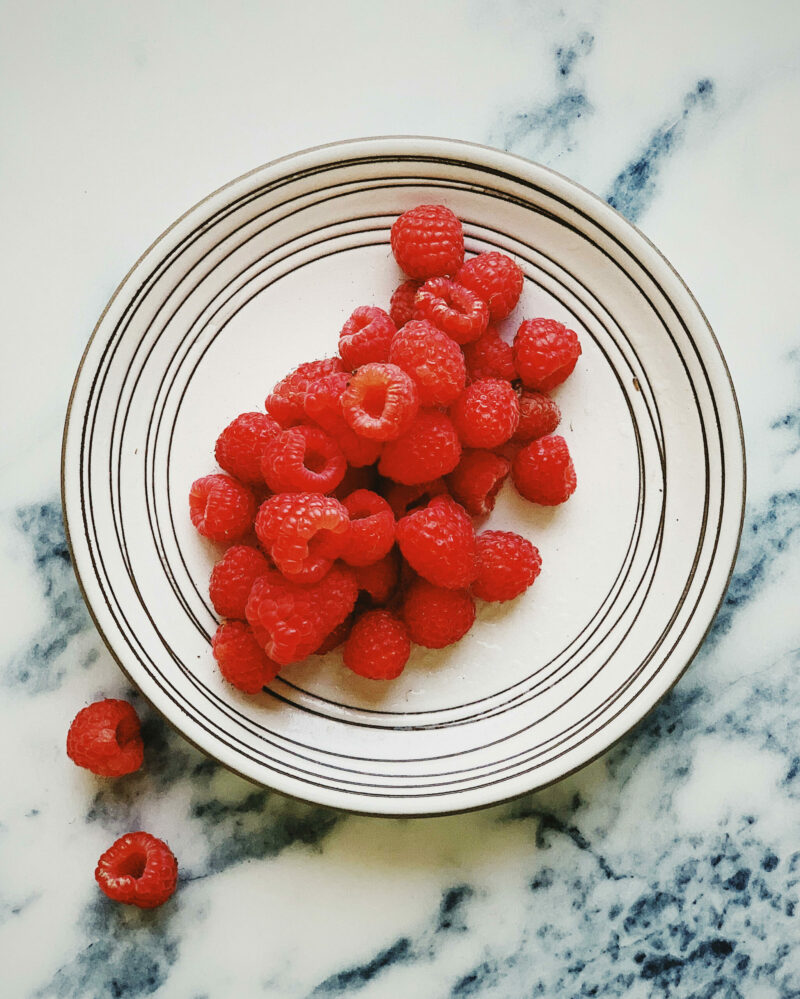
670	866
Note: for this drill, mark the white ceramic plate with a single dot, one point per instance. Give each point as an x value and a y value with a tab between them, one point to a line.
259	277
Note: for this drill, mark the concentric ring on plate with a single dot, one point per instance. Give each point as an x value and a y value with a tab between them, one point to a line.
254	277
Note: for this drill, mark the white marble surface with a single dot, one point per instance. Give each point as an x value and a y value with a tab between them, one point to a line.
670	867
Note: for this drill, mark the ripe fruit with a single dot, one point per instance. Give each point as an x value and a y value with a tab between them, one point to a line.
486	413
437	617
105	737
221	508
378	647
454	310
543	471
438	542
138	869
380	402
496	278
365	337
432	359
428	449
507	565
545	353
428	241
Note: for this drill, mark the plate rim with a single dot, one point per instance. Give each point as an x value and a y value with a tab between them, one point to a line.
489	151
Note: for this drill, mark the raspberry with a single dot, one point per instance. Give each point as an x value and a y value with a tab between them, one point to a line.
378	647
303	533
221	508
436	617
105	738
428	241
241	444
337	637
477	480
323	405
545	353
432	359
371	528
438	542
232	577
507	565
138	870
428	449
496	278
290	621
454	310
285	402
543	471
365	337
241	659
303	460
538	416
486	414
380	579
380	402
489	357
401	307
404	498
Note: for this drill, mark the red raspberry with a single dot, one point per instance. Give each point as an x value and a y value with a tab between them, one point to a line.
429	448
221	508
303	460
489	357
436	617
486	414
496	278
538	416
241	659
365	337
432	359
378	647
507	565
428	241
371	528
138	870
380	402
290	621
285	402
241	444
105	738
380	579
438	542
338	636
323	405
477	480
303	533
232	577
545	353
543	471
454	310
401	307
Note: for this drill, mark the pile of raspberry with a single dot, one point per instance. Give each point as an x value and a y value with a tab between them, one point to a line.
350	504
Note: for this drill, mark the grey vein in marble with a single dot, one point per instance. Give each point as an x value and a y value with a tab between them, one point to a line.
788	423
635	185
766	536
129	954
425	945
35	668
544	127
